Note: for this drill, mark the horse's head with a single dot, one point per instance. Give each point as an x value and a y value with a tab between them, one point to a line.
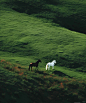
54	61
39	60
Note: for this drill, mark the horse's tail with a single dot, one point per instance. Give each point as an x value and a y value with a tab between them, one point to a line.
29	68
46	66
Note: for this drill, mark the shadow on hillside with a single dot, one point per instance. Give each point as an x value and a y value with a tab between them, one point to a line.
61	74
41	72
29	7
11	93
75	22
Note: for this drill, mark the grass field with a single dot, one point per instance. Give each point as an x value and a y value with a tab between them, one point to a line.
19	85
27	35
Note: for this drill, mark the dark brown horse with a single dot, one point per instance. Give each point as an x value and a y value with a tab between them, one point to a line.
34	64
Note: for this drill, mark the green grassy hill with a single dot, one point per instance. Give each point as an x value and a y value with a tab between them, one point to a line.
43	34
26	35
69	14
18	85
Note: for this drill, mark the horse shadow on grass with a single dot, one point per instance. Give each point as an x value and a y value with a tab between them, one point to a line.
41	72
60	74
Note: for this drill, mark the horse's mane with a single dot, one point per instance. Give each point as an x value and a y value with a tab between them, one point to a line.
38	60
54	60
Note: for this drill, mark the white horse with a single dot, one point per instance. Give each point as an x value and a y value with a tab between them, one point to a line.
50	64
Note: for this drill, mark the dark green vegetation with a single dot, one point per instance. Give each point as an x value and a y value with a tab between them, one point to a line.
69	14
43	34
17	85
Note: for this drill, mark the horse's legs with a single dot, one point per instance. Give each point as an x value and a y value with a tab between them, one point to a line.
52	67
29	67
48	67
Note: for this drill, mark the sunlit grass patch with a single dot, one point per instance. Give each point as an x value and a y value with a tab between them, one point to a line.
35	38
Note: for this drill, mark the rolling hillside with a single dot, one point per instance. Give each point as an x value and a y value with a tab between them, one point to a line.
18	85
46	30
69	14
26	35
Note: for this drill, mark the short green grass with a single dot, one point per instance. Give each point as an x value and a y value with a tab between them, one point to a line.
26	38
